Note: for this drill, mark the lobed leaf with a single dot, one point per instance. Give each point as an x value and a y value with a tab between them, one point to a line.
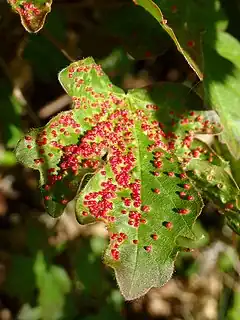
122	156
32	12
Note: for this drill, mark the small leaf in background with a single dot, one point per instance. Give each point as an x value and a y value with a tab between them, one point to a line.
98	245
106	312
116	65
53	284
140	34
221	83
216	182
89	270
201	238
21	286
227	259
32	12
7	158
222	150
29	313
212	176
233	313
10	116
233	220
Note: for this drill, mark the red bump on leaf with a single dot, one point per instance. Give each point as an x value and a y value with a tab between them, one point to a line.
145	208
47	187
157	164
196	153
229	206
183	176
148	54
158	154
174	9
187	186
115	254
123	235
168	224
171	174
113	236
183	211
154	236
182	194
148	248
191	43
127	202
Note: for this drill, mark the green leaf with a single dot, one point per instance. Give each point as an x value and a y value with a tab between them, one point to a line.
213	178
32	12
233	313
233	221
201	238
10	116
216	181
53	283
222	70
227	259
106	312
186	21
122	154
7	158
24	286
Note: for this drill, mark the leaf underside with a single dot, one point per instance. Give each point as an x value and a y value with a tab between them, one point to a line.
123	157
32	13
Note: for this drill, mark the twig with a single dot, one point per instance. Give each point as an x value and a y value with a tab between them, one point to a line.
18	93
54	106
58	45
